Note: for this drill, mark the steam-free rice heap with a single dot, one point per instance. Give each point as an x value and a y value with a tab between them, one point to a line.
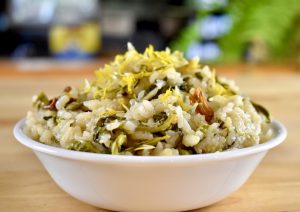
155	103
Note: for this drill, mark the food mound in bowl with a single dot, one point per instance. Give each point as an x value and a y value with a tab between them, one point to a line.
154	103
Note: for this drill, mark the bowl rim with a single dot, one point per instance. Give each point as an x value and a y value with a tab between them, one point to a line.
279	136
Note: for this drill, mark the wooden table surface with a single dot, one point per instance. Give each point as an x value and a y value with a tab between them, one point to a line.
26	186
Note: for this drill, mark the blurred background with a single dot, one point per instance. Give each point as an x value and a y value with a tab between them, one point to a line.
218	31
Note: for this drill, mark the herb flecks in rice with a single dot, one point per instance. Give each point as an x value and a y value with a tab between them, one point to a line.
154	103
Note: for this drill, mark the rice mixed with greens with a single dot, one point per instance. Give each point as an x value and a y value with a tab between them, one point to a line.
154	103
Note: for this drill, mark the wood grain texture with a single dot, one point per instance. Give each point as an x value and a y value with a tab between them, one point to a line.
26	186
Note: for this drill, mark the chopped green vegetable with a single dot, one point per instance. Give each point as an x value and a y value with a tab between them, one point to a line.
160	117
40	100
46	118
74	106
172	119
185	152
204	128
185	87
199	76
225	90
144	147
84	146
118	143
155	140
261	109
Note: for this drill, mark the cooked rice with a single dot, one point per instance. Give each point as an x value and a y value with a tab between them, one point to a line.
155	103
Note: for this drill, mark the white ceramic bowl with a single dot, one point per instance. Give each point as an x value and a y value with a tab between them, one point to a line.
150	183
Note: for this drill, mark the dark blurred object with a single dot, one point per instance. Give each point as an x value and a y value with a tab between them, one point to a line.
68	28
148	32
3	17
9	40
8	37
24	50
140	22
